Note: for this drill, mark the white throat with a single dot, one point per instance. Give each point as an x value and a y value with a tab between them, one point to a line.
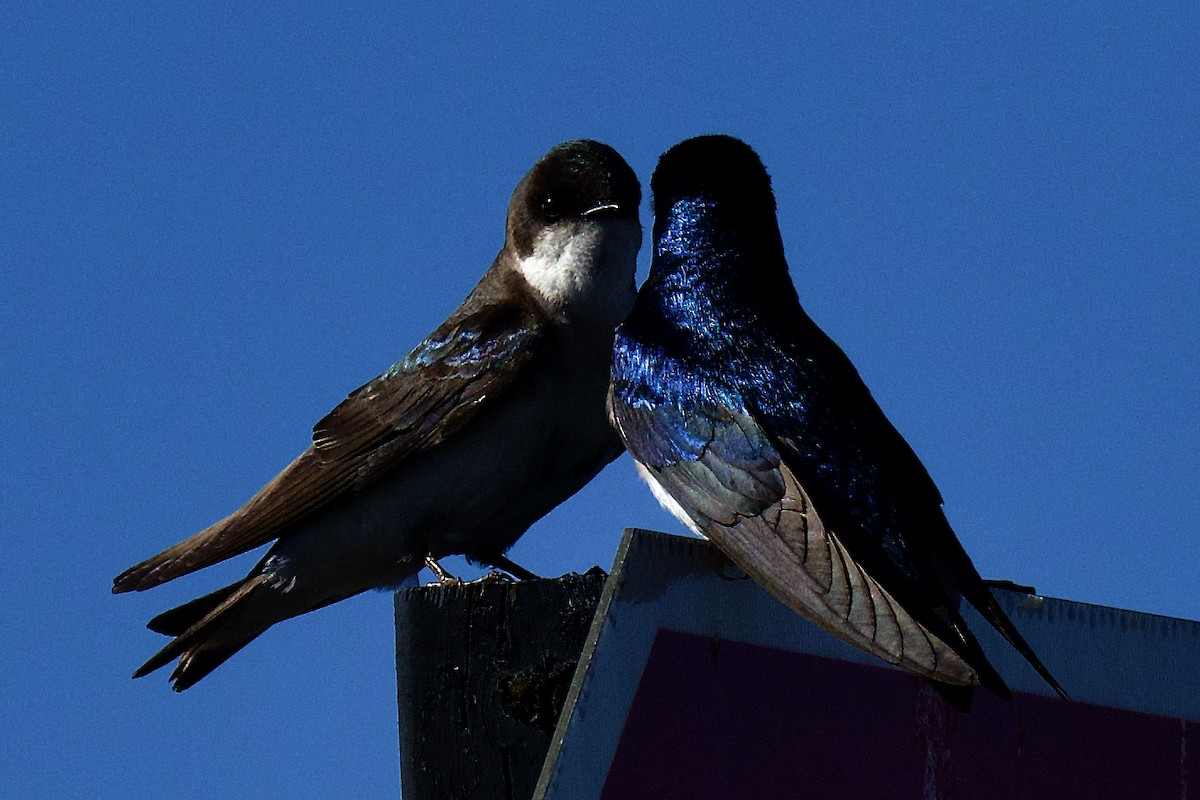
585	267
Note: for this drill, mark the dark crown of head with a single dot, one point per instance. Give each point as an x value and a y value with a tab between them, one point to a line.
717	166
585	171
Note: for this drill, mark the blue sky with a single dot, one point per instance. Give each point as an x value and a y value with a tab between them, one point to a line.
216	221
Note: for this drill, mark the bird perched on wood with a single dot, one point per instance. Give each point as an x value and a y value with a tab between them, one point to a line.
755	430
489	423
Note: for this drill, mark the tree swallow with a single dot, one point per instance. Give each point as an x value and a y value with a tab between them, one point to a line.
754	429
489	423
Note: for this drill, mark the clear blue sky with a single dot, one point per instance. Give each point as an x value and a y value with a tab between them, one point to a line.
217	221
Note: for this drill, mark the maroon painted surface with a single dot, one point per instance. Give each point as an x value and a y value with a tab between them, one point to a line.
719	719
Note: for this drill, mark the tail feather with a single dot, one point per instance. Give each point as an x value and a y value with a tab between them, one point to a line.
989	608
176	621
948	623
953	568
210	629
221	631
198	663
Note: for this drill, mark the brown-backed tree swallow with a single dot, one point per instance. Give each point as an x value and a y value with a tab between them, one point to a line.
489	423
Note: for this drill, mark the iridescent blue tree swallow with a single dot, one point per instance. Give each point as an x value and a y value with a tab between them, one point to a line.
755	430
489	423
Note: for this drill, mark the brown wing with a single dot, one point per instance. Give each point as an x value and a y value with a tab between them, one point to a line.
453	375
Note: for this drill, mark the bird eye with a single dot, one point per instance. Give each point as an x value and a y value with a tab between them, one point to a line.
551	207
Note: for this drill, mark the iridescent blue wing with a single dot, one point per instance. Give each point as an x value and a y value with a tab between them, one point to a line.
718	470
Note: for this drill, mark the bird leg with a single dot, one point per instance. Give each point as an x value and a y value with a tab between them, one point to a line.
443	578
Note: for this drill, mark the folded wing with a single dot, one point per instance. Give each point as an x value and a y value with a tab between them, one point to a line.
446	381
726	474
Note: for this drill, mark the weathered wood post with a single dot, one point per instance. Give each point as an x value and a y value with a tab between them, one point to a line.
482	671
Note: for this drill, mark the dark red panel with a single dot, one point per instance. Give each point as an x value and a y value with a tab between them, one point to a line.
719	719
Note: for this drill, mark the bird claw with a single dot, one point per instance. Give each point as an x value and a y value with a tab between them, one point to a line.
495	576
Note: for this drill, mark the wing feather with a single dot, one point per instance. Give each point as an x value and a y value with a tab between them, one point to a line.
724	472
445	382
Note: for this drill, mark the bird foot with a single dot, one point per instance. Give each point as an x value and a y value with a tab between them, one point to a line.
495	576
